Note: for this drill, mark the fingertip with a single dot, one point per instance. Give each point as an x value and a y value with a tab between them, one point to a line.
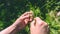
46	24
30	19
26	21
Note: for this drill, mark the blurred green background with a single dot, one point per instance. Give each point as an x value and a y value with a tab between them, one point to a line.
47	10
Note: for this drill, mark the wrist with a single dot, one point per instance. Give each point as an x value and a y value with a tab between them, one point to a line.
15	25
18	25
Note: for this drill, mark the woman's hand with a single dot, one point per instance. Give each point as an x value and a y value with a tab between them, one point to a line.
39	27
20	23
23	20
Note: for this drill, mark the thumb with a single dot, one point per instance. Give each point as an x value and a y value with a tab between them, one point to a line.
32	23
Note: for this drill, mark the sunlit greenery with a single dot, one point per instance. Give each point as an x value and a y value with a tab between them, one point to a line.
47	10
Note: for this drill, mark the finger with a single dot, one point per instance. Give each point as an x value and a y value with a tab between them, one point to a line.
25	17
46	28
39	22
32	23
38	19
45	25
26	13
26	21
31	17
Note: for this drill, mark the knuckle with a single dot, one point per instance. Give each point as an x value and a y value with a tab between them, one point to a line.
40	23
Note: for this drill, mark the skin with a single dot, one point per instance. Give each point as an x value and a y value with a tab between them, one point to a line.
19	24
39	27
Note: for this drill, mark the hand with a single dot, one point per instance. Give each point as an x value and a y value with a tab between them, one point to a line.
39	27
24	19
19	24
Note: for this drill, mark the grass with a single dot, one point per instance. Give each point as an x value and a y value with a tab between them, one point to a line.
47	10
